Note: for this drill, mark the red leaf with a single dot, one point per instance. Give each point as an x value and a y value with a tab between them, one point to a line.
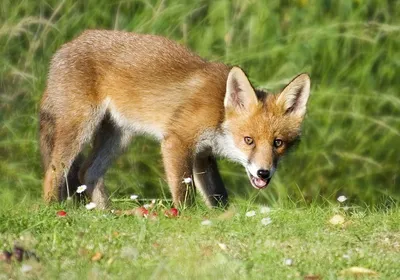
61	213
141	212
170	213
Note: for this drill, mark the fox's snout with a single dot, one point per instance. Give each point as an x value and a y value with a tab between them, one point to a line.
260	176
263	173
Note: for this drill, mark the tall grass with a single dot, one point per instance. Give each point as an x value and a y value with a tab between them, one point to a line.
351	136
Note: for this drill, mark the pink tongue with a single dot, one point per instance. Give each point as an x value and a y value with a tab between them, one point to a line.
259	182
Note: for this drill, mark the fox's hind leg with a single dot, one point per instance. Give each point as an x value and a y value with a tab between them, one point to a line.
109	141
61	176
61	155
208	180
47	139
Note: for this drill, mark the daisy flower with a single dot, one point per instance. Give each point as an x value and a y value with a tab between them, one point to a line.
187	180
81	189
250	213
266	221
134	196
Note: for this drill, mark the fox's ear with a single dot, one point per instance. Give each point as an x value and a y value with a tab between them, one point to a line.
239	92
293	98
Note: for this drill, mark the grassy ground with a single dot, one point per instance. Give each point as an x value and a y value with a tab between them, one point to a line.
297	243
350	48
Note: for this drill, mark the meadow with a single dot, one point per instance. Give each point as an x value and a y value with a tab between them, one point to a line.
350	143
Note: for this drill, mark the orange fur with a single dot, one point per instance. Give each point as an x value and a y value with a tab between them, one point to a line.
110	85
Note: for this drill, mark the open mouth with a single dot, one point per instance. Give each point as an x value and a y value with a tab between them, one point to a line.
258	183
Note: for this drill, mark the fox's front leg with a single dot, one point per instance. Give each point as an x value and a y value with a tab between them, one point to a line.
177	157
208	180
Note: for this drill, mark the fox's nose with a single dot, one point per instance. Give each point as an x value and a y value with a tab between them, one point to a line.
263	173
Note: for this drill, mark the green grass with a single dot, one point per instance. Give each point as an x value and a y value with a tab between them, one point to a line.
350	48
350	143
182	248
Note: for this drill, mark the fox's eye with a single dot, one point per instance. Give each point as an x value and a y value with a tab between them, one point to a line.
248	140
278	143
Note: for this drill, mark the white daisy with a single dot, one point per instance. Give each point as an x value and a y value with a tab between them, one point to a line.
266	221
265	210
187	180
250	213
81	189
134	196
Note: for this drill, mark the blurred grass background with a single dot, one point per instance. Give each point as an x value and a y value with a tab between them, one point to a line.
351	48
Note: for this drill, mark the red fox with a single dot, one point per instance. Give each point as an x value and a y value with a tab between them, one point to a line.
108	86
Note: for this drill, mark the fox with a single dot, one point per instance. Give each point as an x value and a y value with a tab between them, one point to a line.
106	87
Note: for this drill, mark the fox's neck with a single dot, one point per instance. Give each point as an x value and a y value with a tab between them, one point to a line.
219	141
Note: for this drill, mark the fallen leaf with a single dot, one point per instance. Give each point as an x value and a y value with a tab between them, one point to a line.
6	256
171	213
206	223
207	250
96	257
312	277
83	252
222	246
141	212
61	213
152	216
337	220
358	271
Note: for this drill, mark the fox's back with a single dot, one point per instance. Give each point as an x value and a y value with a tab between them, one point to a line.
144	77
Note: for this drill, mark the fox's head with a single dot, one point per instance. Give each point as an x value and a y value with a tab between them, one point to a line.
260	127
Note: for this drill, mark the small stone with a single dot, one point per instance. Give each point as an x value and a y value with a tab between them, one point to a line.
288	262
206	223
26	268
